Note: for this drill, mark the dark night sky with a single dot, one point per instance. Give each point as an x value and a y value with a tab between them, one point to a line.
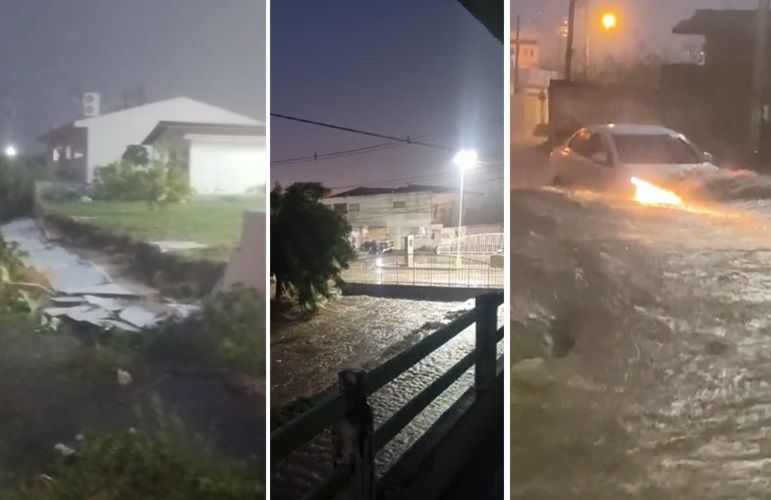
646	25
205	49
395	67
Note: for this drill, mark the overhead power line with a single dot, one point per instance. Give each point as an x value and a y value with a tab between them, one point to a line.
405	140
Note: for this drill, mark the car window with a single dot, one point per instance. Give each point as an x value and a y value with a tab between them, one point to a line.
581	143
587	144
653	149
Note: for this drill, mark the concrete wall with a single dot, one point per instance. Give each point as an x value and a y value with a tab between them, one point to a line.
226	165
247	264
110	134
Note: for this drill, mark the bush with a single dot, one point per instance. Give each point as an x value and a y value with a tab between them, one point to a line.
166	463
162	180
228	333
17	187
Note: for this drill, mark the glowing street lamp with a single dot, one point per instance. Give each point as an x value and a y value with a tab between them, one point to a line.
10	151
609	21
466	159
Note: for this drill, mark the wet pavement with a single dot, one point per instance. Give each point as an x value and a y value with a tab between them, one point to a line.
655	327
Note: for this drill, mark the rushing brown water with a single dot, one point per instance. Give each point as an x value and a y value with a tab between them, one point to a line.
657	350
361	331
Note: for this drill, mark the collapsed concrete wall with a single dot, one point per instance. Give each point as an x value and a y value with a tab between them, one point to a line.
247	265
173	275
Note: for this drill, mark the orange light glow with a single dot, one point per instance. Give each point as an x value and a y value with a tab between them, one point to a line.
609	21
649	194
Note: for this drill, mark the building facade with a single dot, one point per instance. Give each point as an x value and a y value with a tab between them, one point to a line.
76	150
377	214
219	159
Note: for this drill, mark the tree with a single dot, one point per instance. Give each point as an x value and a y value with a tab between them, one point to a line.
309	245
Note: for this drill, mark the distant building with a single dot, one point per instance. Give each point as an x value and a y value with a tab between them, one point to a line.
76	150
219	159
393	213
529	53
429	213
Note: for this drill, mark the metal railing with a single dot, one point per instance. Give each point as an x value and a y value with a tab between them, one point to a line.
349	415
474	244
475	271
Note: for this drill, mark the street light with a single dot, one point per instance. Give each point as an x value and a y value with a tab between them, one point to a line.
466	159
10	151
609	21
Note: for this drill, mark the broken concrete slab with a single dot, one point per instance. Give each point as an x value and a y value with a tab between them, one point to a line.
140	317
107	290
106	303
63	311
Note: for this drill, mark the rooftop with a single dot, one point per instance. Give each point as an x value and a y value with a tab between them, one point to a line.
185	128
412	188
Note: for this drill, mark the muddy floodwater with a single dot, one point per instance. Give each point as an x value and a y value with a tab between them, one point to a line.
651	330
361	332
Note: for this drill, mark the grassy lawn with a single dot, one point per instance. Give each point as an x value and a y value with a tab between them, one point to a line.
213	221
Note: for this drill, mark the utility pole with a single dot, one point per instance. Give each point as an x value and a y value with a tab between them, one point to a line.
571	33
759	73
587	32
516	57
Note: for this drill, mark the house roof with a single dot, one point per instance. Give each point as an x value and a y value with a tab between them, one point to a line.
224	116
710	21
181	129
412	188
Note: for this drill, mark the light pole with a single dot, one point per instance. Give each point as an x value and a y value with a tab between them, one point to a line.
10	151
466	159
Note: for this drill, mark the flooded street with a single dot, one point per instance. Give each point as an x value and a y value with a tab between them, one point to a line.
364	332
655	329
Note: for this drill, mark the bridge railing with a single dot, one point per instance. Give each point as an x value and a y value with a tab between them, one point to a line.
349	415
474	271
473	244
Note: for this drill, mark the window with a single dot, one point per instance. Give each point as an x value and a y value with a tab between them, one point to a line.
340	208
589	145
654	149
353	207
400	204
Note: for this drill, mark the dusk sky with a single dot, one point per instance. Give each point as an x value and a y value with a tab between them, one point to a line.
645	25
427	69
204	49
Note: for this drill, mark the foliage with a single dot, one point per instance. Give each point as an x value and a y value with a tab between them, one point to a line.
229	333
137	155
14	299
159	182
17	186
164	463
309	243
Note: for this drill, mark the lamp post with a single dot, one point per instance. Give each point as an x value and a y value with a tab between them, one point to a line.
10	151
466	159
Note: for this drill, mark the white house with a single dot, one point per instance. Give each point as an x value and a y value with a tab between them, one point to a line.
76	150
220	159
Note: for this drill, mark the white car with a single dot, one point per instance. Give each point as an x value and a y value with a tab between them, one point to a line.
606	157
